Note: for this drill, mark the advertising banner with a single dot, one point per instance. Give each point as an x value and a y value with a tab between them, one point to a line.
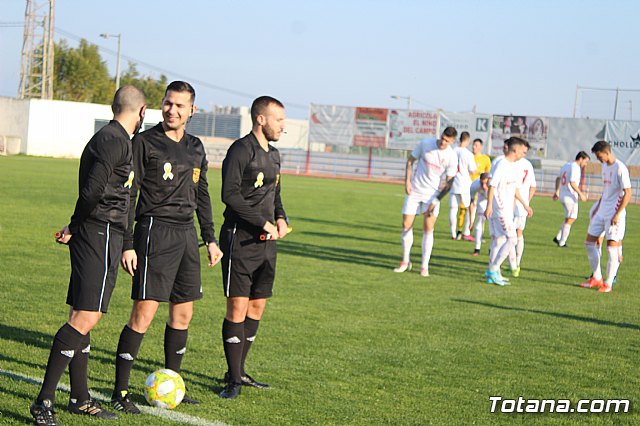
624	137
478	125
331	124
371	127
407	128
533	129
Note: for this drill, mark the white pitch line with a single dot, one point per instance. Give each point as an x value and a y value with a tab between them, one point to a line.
154	411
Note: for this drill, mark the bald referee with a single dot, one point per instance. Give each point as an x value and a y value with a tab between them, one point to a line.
94	236
253	219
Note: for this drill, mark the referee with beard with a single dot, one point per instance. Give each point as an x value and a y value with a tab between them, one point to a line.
253	219
94	236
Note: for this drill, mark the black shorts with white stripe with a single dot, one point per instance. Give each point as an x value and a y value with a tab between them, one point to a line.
168	262
95	251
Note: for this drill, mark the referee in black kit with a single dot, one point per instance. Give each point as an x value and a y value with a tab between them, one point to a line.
253	219
94	236
162	254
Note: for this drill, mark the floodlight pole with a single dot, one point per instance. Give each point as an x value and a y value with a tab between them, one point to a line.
408	98
119	36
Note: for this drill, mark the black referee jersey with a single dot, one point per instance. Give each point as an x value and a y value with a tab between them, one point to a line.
172	180
104	178
251	184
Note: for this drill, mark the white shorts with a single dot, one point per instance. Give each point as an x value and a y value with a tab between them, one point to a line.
520	222
502	226
481	207
463	200
600	225
570	208
415	204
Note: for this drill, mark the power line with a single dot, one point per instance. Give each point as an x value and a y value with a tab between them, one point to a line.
181	76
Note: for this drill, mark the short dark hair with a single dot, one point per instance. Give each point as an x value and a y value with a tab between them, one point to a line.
514	140
484	176
260	104
478	140
581	155
128	99
181	86
464	136
601	146
450	132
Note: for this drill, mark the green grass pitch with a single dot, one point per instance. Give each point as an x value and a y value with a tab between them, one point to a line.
344	341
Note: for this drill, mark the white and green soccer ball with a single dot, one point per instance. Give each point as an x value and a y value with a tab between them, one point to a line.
164	388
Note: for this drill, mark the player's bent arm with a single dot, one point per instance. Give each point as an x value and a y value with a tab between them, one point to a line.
524	203
446	187
532	191
623	204
577	189
407	174
130	261
489	210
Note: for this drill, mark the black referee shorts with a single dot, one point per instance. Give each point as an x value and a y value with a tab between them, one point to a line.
95	252
168	262
248	264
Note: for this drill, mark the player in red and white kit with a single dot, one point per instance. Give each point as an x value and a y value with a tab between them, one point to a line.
459	197
432	180
609	218
527	187
503	191
568	192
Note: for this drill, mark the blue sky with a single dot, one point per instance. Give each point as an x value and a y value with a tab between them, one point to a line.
517	57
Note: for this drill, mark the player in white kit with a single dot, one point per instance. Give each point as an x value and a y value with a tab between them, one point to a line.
459	197
609	219
568	192
527	187
432	180
479	187
503	191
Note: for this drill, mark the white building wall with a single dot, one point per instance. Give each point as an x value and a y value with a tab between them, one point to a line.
62	129
14	120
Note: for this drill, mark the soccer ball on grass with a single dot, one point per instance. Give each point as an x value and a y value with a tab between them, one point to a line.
164	388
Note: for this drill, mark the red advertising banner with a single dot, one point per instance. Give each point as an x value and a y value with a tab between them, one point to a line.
371	127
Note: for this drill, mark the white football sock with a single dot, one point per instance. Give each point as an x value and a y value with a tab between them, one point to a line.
565	230
427	248
407	242
593	253
613	264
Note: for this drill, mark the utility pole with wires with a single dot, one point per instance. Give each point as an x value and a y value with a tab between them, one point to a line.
36	65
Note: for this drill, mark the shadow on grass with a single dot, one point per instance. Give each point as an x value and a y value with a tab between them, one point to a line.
334	254
553	314
350	225
348	237
98	355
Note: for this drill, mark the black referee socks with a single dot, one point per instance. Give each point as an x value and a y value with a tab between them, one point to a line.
233	342
78	369
65	343
250	331
175	345
128	347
